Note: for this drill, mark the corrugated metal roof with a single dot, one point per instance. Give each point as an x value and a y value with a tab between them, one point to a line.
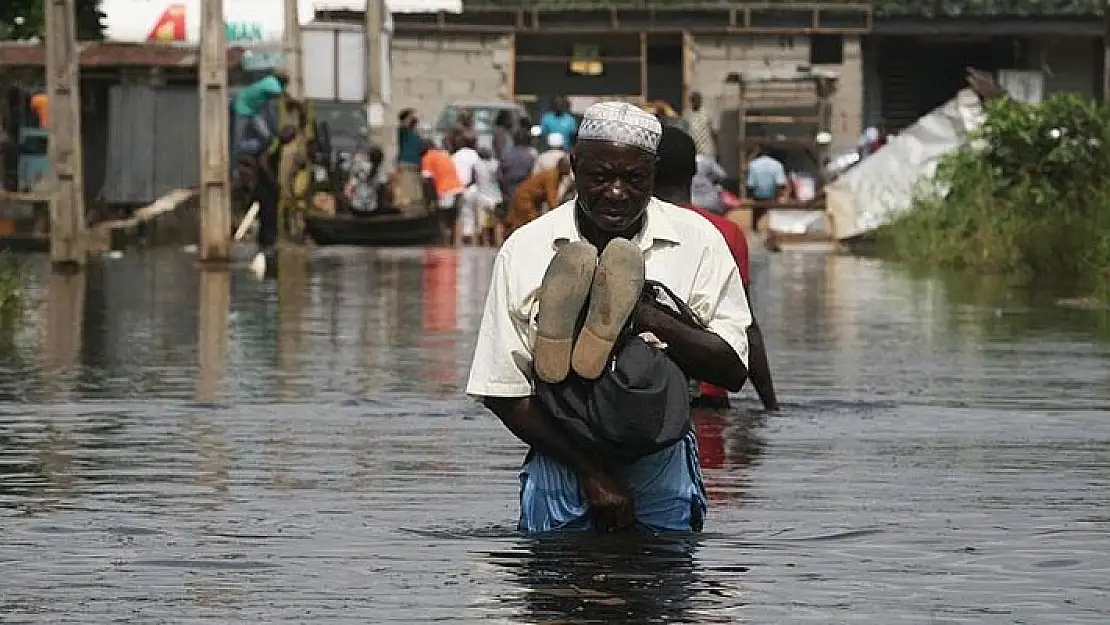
394	6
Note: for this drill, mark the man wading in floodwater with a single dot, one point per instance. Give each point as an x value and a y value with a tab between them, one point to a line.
549	279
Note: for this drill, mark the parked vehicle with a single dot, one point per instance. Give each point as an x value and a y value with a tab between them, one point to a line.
485	112
348	129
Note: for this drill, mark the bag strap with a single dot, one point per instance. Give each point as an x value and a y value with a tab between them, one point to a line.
684	312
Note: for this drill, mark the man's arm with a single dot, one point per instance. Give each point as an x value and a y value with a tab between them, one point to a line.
529	421
719	174
551	191
701	354
716	354
780	178
760	371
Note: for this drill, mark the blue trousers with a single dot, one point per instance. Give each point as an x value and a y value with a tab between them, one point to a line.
666	487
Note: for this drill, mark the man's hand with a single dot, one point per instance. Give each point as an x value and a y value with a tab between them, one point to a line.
649	313
610	502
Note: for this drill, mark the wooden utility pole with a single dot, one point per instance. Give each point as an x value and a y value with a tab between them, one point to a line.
67	193
376	13
292	51
215	192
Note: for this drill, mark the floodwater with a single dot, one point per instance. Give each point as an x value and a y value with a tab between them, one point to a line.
181	448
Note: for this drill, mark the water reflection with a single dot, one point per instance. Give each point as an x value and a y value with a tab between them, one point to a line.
262	447
440	316
598	579
215	304
728	443
65	314
291	300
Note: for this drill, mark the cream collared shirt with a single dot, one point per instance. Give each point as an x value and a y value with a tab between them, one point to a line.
681	249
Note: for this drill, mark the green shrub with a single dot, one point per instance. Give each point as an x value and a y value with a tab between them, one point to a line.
1029	197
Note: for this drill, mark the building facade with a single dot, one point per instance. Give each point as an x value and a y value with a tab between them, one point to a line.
895	61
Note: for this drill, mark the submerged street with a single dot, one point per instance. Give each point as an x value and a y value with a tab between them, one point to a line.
943	456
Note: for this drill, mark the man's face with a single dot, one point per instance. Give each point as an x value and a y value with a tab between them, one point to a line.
614	182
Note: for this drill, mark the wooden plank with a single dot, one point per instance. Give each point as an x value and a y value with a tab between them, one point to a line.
687	66
511	66
782	119
643	66
566	59
24	196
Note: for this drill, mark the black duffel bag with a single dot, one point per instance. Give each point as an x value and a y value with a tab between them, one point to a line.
639	405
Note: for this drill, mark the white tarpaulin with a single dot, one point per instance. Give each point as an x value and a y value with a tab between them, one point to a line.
882	187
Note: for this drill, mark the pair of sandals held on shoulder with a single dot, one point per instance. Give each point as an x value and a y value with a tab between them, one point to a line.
611	386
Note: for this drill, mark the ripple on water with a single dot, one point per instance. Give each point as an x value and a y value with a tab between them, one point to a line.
301	451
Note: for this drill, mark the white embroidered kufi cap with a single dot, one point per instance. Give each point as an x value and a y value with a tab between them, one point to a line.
621	122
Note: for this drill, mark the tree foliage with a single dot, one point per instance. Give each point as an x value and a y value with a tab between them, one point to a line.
26	19
1028	197
987	8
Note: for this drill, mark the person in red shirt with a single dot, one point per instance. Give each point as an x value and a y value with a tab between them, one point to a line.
674	173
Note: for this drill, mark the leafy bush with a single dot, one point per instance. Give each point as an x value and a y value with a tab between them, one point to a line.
1030	196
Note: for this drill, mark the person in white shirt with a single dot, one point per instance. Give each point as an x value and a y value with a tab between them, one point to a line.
485	194
466	159
550	158
565	486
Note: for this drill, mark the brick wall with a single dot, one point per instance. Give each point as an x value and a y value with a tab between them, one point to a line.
716	57
431	72
847	102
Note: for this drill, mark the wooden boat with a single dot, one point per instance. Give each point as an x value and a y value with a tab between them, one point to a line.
372	230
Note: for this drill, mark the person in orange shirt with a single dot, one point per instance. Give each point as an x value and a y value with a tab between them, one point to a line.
439	169
40	104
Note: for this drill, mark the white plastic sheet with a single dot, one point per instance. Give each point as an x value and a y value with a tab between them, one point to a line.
882	187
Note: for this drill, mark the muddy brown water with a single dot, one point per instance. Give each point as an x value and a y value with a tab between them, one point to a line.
179	448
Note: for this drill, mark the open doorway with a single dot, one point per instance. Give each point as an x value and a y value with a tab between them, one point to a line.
665	70
579	67
917	75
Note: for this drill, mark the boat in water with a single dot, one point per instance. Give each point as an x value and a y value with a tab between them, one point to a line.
389	229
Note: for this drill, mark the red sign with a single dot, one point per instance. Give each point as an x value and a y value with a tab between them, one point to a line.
170	26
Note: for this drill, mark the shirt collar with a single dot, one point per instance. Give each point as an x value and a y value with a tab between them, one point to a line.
658	227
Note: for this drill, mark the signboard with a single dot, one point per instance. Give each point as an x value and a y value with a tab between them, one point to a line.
247	22
263	60
586	60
